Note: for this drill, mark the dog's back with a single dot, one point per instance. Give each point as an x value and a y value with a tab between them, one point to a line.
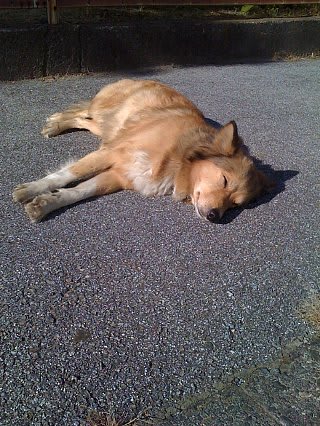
127	105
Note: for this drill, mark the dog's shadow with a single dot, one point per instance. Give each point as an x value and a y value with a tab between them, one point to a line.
279	177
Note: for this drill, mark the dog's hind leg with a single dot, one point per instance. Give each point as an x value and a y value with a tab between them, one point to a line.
75	117
88	166
104	183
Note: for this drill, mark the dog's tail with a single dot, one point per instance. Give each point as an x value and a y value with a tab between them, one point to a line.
75	117
80	109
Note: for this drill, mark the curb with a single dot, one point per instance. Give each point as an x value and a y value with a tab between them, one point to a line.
42	50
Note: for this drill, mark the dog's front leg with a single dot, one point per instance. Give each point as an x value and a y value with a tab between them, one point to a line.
181	190
86	167
104	183
27	191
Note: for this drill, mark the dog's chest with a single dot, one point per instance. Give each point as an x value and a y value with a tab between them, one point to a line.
139	173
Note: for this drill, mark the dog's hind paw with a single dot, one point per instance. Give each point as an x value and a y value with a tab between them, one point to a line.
50	130
52	127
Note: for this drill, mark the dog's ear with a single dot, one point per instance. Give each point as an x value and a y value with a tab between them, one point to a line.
227	140
267	185
223	142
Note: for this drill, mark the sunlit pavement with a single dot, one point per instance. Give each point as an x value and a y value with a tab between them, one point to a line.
124	304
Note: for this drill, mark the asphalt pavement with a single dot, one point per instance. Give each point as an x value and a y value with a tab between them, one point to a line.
124	304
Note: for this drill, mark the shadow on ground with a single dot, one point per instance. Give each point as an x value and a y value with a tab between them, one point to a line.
278	176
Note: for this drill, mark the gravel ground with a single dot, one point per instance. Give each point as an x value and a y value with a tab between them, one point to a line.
124	303
282	392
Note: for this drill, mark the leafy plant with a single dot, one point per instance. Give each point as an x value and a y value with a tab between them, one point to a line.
246	8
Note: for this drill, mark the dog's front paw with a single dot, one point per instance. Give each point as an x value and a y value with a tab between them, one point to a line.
37	209
23	193
179	195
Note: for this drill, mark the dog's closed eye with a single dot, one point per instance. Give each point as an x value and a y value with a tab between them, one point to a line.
225	182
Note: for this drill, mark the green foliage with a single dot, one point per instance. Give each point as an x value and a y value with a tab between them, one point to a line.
273	10
246	8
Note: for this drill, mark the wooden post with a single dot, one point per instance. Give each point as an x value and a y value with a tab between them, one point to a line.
52	12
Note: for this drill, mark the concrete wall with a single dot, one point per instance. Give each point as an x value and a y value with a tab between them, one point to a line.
65	49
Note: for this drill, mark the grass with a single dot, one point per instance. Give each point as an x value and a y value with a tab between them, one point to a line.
310	311
103	420
106	419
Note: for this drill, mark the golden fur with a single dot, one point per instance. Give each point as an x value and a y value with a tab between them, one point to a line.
154	141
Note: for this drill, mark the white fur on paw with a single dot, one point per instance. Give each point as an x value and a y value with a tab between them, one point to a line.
54	117
42	205
179	196
50	129
36	210
22	193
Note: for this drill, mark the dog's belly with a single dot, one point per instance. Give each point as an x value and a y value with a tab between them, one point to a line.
140	174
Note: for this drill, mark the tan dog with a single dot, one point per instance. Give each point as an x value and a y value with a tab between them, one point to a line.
154	141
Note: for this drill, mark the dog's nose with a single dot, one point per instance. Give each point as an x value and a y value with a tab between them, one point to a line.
213	215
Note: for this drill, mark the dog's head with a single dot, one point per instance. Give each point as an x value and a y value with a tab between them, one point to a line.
222	175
